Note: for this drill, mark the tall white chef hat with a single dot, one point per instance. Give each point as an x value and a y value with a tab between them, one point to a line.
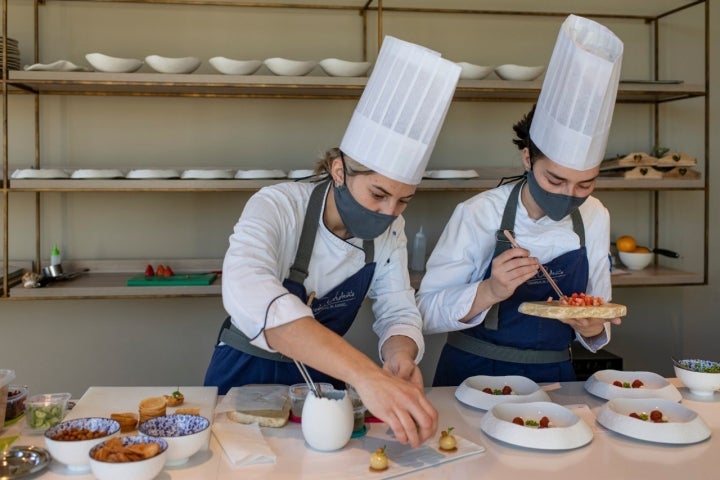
573	114
398	118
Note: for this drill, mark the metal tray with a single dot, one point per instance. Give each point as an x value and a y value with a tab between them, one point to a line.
22	460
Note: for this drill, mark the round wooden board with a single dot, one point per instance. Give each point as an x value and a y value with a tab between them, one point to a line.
555	310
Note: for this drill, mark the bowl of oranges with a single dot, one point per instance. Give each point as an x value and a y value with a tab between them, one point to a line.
632	255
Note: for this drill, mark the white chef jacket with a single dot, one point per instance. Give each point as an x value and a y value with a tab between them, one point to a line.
263	247
465	250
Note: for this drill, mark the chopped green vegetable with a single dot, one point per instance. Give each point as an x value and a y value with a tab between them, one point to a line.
44	417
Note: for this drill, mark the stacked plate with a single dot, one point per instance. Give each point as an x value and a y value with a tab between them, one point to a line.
13	54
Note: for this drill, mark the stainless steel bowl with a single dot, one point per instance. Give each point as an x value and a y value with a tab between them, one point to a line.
53	271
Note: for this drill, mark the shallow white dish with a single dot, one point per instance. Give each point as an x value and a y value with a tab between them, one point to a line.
208	174
173	64
97	173
40	173
229	66
286	67
108	64
57	66
654	386
519	72
153	173
470	71
343	68
302	173
256	174
449	174
470	392
567	430
682	425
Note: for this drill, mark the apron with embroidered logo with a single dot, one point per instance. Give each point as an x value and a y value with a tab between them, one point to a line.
237	362
512	343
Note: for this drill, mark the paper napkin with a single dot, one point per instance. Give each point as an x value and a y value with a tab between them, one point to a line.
243	444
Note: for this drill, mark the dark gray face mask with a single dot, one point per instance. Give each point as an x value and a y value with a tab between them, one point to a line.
361	222
555	205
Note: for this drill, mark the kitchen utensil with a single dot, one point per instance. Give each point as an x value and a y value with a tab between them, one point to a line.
542	269
665	252
301	366
53	271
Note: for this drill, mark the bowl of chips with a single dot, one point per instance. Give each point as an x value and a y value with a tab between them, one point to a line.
70	441
184	434
137	457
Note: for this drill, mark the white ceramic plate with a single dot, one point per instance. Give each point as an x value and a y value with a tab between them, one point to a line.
173	64
284	66
208	174
229	66
150	173
57	66
40	173
682	425
519	72
106	63
256	174
343	68
474	72
654	386
449	174
102	173
303	173
567	430
470	392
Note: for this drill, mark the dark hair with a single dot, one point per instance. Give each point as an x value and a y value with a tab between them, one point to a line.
522	136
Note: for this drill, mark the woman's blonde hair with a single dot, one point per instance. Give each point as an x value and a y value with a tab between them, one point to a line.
352	167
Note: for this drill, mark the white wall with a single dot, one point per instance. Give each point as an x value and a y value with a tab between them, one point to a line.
72	344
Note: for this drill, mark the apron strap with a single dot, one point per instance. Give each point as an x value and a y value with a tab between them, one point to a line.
481	348
299	269
232	336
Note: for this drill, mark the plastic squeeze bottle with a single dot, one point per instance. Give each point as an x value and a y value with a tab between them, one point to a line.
55	256
417	259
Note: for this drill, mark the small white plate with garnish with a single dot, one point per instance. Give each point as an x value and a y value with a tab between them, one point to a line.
538	425
653	420
609	384
485	391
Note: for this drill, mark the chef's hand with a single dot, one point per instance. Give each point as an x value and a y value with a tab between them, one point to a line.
398	353
590	327
401	404
511	269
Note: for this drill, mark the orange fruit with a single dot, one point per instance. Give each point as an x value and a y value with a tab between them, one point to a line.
626	243
641	250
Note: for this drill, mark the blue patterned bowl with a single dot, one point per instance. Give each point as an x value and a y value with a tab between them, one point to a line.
73	452
185	435
701	377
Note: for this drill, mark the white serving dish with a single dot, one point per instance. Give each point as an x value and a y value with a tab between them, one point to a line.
97	173
146	469
152	173
74	453
173	64
636	261
40	173
229	66
57	66
567	430
258	174
343	68
700	383
470	71
286	67
683	425
470	391
301	173
450	174
519	72
601	384
206	174
108	64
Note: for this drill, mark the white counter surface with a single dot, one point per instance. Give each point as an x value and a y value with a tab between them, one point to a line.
608	456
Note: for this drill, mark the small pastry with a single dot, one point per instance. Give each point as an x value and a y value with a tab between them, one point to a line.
378	460
176	399
448	442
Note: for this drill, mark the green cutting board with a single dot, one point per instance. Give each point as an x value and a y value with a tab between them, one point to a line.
177	280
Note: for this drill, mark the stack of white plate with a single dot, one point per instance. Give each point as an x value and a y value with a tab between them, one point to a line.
13	54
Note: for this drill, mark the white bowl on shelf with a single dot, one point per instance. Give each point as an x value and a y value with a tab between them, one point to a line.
470	71
173	64
636	261
108	64
343	68
519	72
229	66
291	68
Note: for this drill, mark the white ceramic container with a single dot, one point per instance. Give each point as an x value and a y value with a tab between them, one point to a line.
173	65
106	63
327	422
229	66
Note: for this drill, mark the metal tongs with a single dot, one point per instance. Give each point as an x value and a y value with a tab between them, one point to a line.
554	285
301	366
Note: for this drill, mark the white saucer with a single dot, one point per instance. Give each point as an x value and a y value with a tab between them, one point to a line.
470	392
206	174
150	173
40	173
257	174
654	386
95	173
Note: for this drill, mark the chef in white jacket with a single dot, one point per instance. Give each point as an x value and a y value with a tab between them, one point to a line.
303	256
475	280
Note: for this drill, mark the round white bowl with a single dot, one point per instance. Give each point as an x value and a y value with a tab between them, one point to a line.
519	72
74	453
700	383
636	261
343	68
173	65
228	66
184	434
146	469
474	72
293	68
108	64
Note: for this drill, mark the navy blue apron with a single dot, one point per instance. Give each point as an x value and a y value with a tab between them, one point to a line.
236	362
512	343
